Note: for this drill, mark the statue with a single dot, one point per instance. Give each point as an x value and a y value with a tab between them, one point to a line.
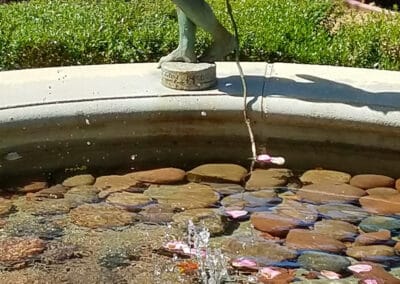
197	13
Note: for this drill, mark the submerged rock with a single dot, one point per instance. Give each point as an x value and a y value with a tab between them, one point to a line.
79	180
318	261
187	196
308	240
373	238
330	193
367	181
306	213
129	201
381	204
34	186
345	212
273	224
6	206
20	249
217	173
377	223
265	179
159	176
251	201
370	252
336	229
325	176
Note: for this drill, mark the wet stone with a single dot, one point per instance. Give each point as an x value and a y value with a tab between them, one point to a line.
273	224
370	252
376	274
308	240
34	186
376	223
59	253
397	184
82	194
381	204
251	201
265	179
367	181
382	191
53	192
79	180
203	217
325	176
318	261
336	229
129	201
266	252
187	196
217	173
330	193
345	212
45	207
6	207
156	214
373	238
304	212
159	176
20	249
226	188
100	216
115	183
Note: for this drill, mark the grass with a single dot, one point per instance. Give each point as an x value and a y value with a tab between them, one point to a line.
41	33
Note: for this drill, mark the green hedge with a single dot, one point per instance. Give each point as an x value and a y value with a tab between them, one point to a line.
40	33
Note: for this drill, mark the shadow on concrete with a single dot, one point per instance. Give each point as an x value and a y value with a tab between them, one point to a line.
315	89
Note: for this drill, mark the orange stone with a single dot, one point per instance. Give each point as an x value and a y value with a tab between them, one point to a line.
381	204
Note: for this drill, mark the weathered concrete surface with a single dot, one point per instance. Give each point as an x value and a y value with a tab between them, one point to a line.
69	118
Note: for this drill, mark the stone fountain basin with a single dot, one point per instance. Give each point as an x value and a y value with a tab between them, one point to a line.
120	116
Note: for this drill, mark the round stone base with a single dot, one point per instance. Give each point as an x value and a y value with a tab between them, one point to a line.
188	76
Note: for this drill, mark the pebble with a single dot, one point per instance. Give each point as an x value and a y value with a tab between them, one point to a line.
265	179
159	176
273	224
251	201
20	249
309	240
367	181
330	193
371	251
79	180
217	173
318	261
304	212
377	223
100	216
345	212
373	238
129	201
182	197
325	176
339	230
381	204
204	217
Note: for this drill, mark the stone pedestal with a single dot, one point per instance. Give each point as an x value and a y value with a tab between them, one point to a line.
188	76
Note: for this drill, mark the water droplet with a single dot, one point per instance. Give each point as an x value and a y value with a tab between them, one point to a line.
203	113
133	157
12	156
88	143
87	121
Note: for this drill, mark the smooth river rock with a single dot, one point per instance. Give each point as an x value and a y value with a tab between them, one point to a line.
273	224
306	213
373	238
372	251
367	181
397	184
318	261
34	186
309	240
336	229
159	176
217	173
382	191
330	193
325	176
251	201
187	196
377	223
264	179
78	180
129	201
6	206
20	249
345	212
381	204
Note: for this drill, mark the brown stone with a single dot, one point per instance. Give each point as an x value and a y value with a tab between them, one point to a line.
336	229
381	204
372	251
79	180
274	224
33	186
156	214
373	238
367	181
100	216
187	196
377	274
330	193
253	199
6	206
115	183
382	191
304	212
217	173
308	240
264	179
325	176
20	249
397	247
159	176
397	184
129	201
45	207
53	192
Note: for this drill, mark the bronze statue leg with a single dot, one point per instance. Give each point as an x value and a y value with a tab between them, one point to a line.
192	13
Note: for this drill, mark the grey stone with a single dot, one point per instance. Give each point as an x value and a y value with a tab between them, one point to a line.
376	223
318	261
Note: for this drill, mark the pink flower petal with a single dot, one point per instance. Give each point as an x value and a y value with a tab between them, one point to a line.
244	263
278	160
358	268
330	274
264	158
370	281
236	213
269	273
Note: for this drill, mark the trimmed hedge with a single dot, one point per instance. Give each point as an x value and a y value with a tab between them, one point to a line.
41	33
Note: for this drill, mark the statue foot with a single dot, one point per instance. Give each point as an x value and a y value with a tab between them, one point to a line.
219	49
178	55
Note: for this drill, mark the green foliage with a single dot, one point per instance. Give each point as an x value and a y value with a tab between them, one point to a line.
40	33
